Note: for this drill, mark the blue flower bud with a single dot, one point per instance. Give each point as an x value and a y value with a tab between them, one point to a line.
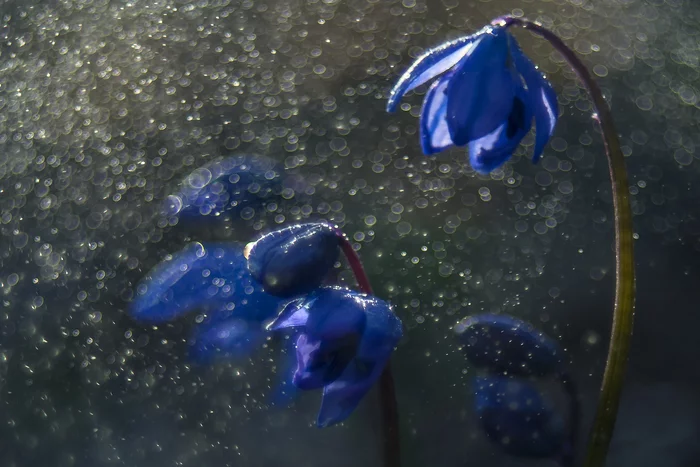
293	260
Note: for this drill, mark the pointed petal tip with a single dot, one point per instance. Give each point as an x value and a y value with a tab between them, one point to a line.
294	315
392	104
432	63
322	423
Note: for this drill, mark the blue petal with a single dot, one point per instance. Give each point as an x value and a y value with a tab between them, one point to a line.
514	415
430	64
493	150
480	93
382	333
207	276
343	395
295	259
434	133
294	315
320	362
231	338
507	345
542	97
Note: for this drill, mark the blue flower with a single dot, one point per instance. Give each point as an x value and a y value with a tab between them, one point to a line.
344	343
294	260
486	93
507	345
514	415
212	278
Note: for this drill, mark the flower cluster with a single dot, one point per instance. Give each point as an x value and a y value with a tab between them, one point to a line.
342	339
485	94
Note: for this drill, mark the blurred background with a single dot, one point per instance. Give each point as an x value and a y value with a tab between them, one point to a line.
106	105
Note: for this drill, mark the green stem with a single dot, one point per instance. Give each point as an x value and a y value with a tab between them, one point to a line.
623	311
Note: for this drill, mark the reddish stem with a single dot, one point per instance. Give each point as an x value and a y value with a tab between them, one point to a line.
387	395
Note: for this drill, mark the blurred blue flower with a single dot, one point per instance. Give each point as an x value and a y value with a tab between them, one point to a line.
232	183
485	95
514	415
507	345
212	278
345	340
294	260
340	340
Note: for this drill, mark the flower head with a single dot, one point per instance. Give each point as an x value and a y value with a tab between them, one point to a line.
504	344
514	415
485	94
293	260
345	341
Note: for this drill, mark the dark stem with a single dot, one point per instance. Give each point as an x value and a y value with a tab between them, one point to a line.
569	456
387	395
623	311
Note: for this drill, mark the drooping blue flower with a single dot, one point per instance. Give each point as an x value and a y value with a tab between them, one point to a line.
485	94
294	260
344	343
513	413
205	276
507	345
231	183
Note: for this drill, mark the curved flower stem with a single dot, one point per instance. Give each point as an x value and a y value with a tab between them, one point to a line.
387	395
623	312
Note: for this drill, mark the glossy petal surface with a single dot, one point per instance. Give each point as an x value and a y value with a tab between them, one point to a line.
494	150
514	415
480	93
504	344
209	276
294	315
542	97
429	65
434	133
294	260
